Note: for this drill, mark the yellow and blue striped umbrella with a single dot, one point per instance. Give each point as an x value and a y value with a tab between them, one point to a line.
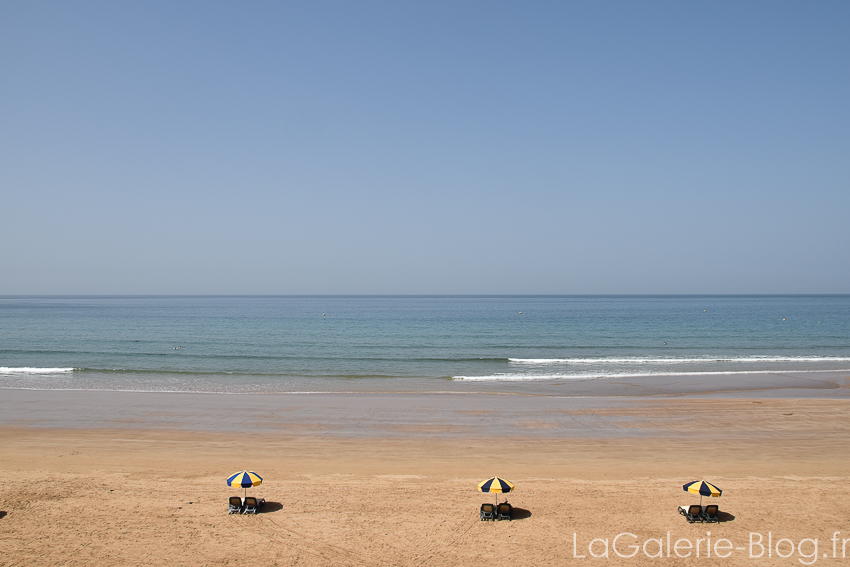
703	489
496	485
245	479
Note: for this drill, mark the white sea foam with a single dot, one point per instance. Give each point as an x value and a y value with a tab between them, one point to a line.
596	375
674	360
29	370
523	377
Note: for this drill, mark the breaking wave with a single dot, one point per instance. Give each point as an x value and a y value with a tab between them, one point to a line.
675	360
31	370
599	375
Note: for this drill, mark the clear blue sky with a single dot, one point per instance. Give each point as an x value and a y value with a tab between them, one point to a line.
424	147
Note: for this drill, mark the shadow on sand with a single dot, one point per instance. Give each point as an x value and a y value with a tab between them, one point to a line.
2	514
520	514
724	517
270	507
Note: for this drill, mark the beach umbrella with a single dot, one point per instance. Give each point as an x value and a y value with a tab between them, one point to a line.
703	489
245	479
496	486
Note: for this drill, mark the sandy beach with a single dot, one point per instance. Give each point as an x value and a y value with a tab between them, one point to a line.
379	253
110	478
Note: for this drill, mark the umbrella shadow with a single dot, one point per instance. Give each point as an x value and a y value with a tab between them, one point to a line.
2	514
520	514
270	507
724	517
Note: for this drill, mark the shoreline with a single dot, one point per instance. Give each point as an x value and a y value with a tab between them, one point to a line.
378	415
803	383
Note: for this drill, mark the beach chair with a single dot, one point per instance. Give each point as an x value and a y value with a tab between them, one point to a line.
710	513
253	505
488	512
503	511
693	512
235	505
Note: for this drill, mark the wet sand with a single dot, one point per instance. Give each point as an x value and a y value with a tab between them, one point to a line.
106	478
562	409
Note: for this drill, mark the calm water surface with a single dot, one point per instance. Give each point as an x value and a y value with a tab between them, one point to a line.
322	343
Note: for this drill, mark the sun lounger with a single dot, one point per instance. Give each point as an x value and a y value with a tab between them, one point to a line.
488	512
709	513
253	505
503	511
693	512
235	505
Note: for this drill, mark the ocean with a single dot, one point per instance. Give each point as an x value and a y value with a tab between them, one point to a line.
520	344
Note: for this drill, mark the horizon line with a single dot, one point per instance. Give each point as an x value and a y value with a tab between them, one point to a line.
423	295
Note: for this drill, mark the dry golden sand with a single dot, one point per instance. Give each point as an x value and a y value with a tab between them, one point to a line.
136	496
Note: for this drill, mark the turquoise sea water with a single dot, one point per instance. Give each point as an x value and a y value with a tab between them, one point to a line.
322	343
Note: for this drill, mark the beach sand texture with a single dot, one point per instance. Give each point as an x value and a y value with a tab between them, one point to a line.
135	492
